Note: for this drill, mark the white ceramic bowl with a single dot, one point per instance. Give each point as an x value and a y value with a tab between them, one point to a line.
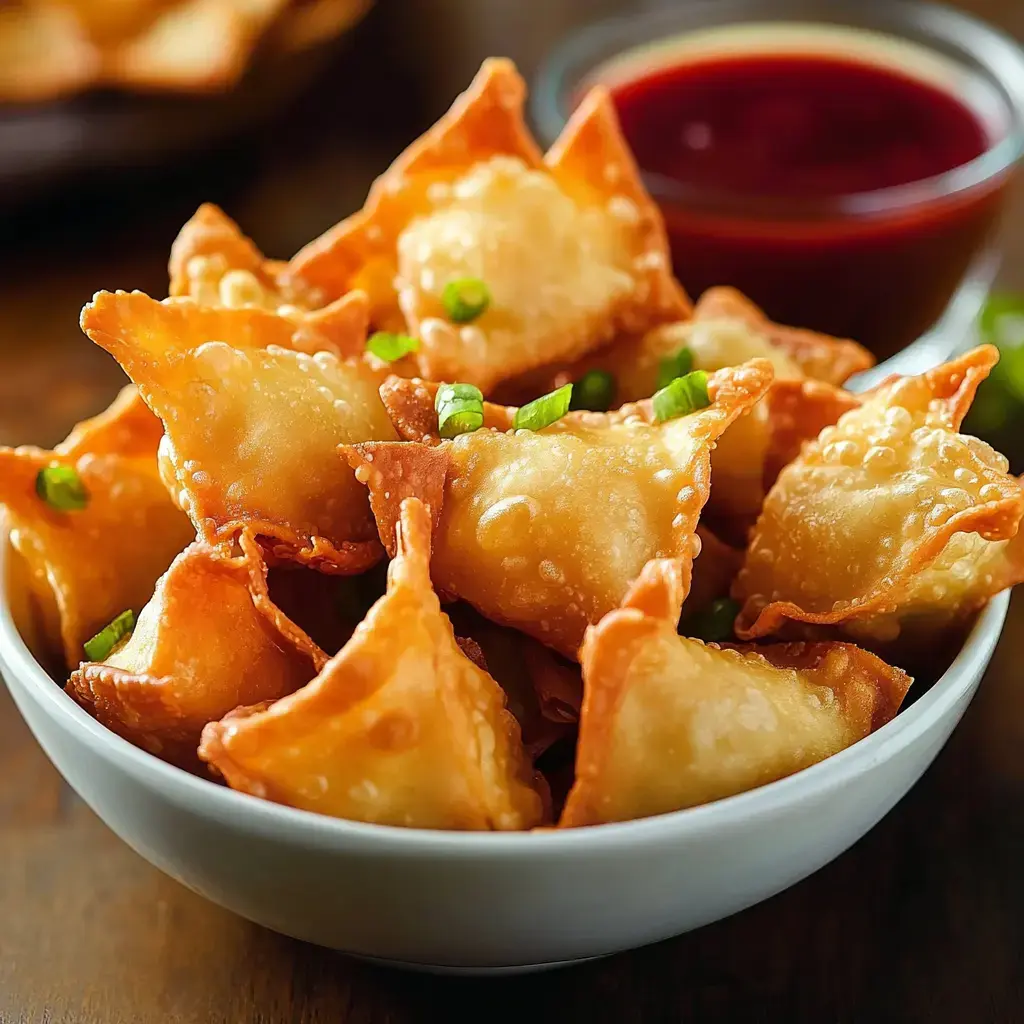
484	901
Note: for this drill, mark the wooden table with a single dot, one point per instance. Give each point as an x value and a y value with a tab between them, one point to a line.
921	921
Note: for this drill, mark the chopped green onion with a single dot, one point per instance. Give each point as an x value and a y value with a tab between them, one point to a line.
465	299
683	396
594	391
61	488
390	347
544	411
460	409
110	636
447	392
676	365
713	624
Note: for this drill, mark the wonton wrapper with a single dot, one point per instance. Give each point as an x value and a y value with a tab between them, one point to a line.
570	246
749	455
891	515
400	728
208	641
251	428
670	722
726	329
214	264
89	565
126	427
545	530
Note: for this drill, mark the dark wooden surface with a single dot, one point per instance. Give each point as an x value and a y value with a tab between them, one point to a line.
922	921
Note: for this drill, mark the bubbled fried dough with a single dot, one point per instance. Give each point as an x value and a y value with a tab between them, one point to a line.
400	727
890	515
544	530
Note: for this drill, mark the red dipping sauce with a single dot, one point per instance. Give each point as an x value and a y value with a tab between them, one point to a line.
812	178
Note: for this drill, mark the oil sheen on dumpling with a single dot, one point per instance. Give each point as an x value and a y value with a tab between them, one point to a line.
890	515
669	722
569	246
544	530
251	427
400	727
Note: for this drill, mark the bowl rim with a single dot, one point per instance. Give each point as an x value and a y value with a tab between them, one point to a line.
267	817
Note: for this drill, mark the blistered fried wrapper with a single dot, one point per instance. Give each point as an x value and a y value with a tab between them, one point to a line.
889	520
251	425
669	722
400	727
570	246
544	530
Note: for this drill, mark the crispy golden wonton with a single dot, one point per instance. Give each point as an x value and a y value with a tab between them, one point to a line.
726	329
90	564
400	728
669	722
889	517
208	641
569	245
251	427
214	264
544	530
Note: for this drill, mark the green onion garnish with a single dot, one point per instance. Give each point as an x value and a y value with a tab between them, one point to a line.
676	365
61	488
713	624
544	411
465	299
594	391
683	396
391	347
110	636
460	409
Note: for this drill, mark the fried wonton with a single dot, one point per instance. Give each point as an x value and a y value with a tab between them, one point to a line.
889	518
749	455
126	427
544	530
569	246
400	728
208	641
214	264
251	427
726	329
714	569
670	722
90	564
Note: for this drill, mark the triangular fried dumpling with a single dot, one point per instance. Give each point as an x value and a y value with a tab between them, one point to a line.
400	727
214	264
208	641
251	427
891	515
819	356
545	530
125	427
726	329
748	456
90	563
570	247
670	722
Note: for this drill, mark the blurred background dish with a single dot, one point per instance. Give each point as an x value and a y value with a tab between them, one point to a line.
113	85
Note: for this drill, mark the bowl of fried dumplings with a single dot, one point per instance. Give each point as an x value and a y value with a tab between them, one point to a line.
459	594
